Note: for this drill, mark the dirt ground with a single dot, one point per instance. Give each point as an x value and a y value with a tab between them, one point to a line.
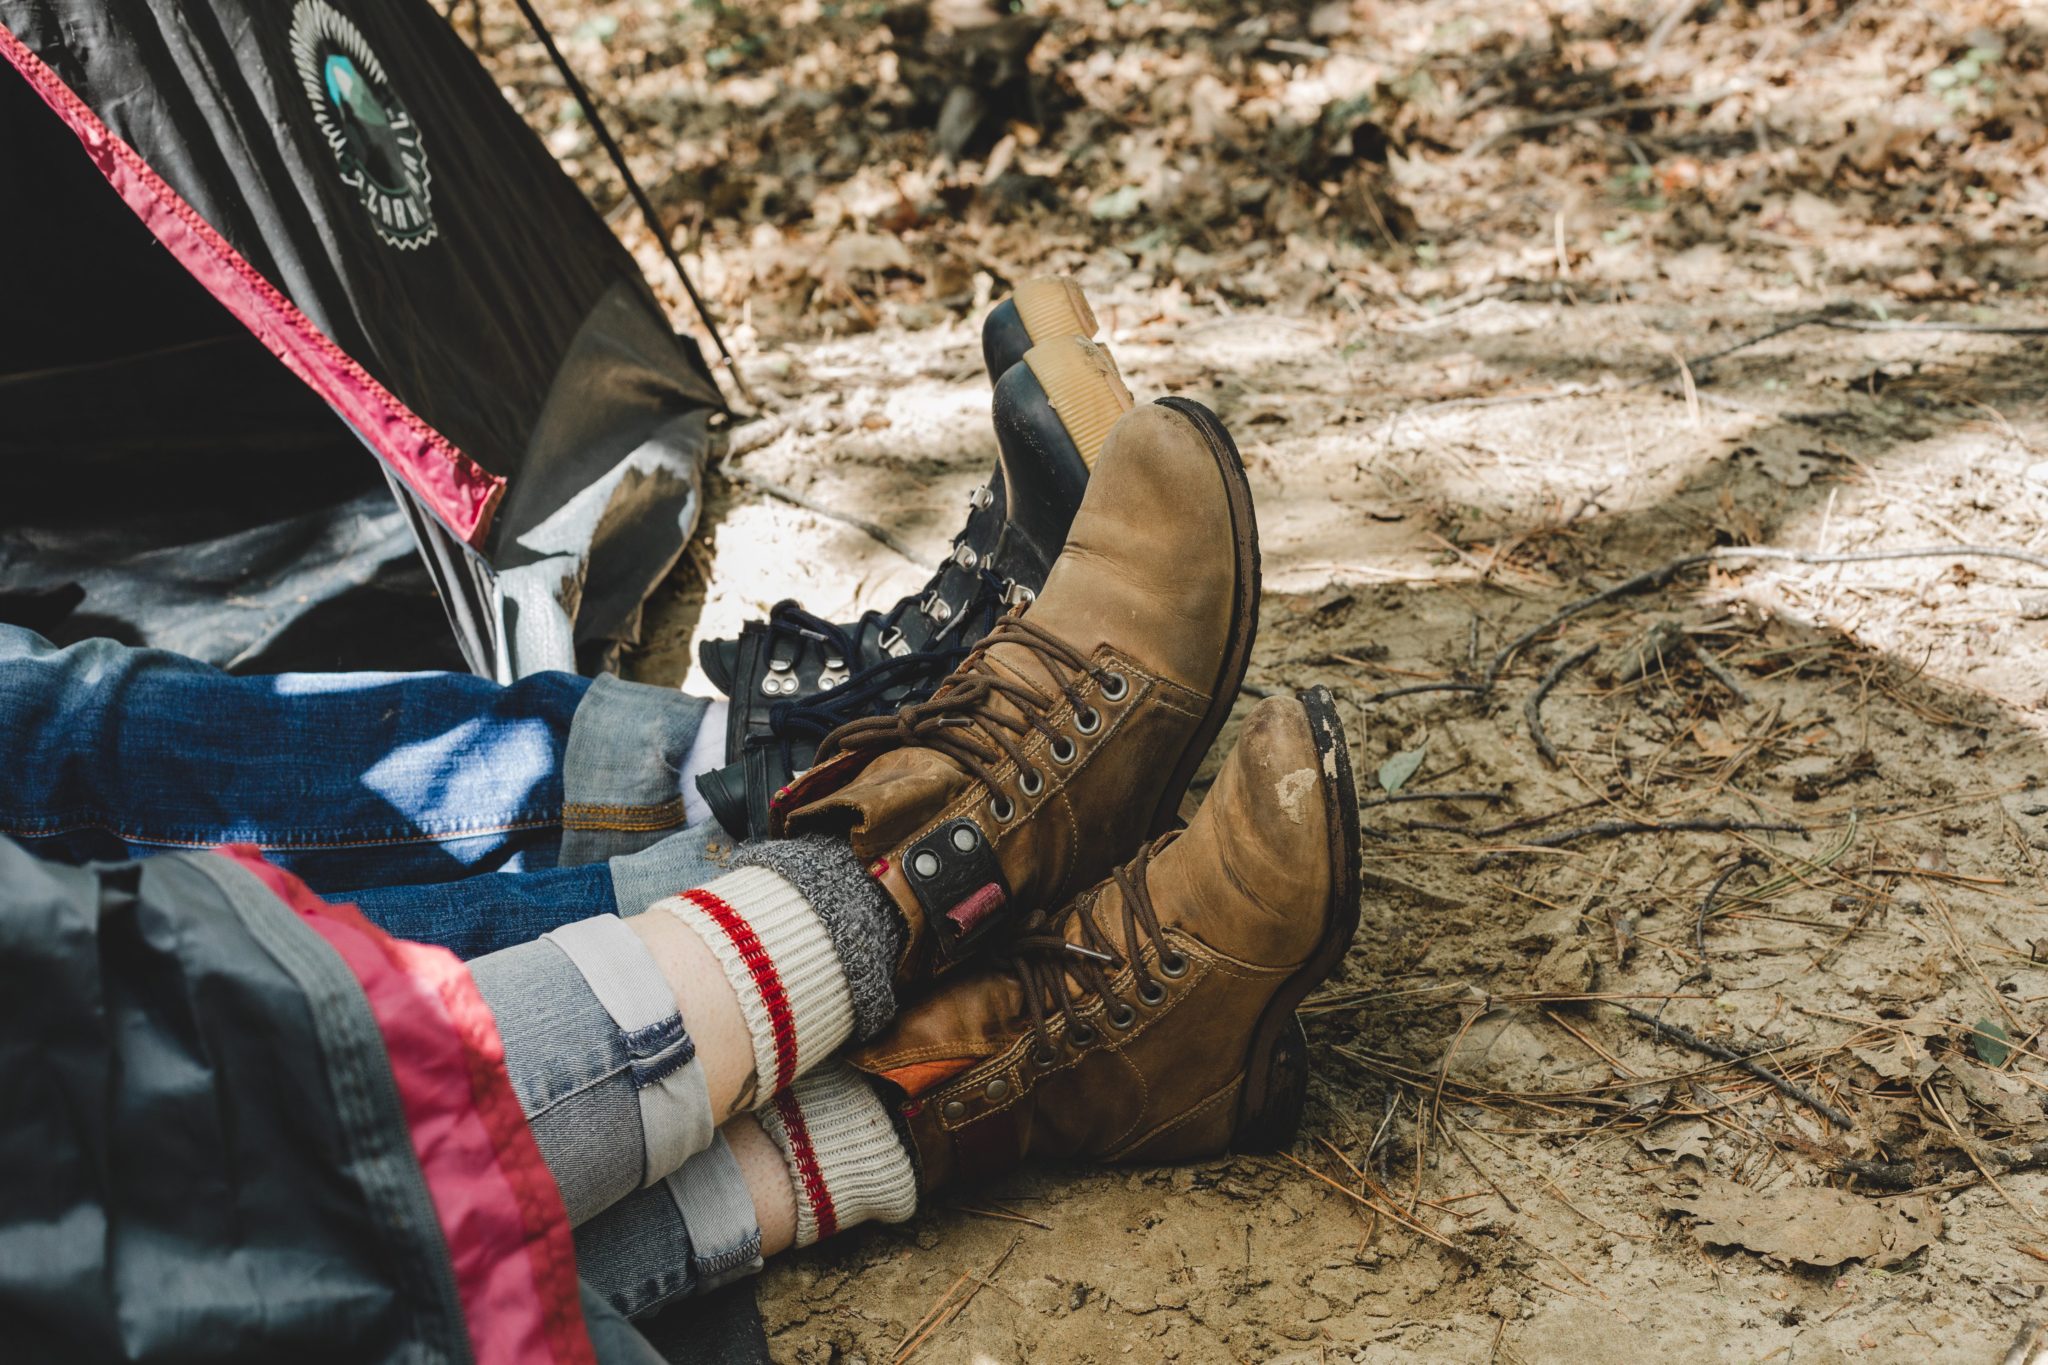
1513	342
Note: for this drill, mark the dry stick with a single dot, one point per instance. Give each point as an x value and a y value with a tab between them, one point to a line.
1661	576
1611	829
1970	1152
809	504
1600	111
1912	1175
1392	1213
1532	709
1680	1034
1717	670
1495	796
1698	364
911	1347
1699	928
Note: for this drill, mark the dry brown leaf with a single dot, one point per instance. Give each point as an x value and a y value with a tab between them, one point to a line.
1812	1226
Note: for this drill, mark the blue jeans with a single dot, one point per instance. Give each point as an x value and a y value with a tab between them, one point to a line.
451	809
454	811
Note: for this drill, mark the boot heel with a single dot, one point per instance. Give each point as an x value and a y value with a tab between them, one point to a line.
1081	383
1054	306
1041	309
1271	1124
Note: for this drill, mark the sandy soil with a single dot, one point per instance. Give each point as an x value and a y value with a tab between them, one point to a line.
1501	1161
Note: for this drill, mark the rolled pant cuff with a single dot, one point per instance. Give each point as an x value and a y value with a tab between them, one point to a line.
677	864
622	770
597	1053
690	1234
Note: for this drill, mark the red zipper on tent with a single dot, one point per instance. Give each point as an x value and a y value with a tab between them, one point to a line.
455	488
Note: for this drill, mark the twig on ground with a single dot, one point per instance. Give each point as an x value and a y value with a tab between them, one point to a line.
939	1314
1835	318
1717	670
810	504
1614	829
1684	1036
1495	796
1662	575
1932	1169
1391	693
1600	111
1532	710
1699	928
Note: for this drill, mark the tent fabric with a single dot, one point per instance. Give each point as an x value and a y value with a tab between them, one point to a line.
254	1127
346	183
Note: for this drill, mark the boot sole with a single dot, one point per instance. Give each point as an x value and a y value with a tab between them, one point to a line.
1244	607
1081	383
1276	1066
1040	310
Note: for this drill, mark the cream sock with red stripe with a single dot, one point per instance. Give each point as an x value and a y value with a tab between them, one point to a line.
846	1163
779	958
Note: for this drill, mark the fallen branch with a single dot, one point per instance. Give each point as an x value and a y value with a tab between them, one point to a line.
1932	1170
1699	928
1835	318
1600	111
1532	710
810	504
1662	575
1496	796
1614	829
1748	1064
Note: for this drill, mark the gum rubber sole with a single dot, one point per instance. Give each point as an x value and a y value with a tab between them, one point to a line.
1244	606
1081	383
1276	1064
1040	310
1053	306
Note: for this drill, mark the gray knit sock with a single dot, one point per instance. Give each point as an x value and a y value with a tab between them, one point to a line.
866	927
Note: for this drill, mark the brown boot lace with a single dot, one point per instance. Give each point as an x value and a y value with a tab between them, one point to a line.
960	721
1047	962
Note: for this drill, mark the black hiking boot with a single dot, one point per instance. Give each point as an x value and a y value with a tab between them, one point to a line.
796	677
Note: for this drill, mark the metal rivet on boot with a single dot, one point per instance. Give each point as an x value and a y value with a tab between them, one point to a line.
965	838
925	865
997	1088
954	1109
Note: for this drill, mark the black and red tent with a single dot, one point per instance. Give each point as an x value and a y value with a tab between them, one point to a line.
244	239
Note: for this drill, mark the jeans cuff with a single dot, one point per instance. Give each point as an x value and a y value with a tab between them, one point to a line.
622	772
571	1069
679	863
668	1080
710	1196
693	1233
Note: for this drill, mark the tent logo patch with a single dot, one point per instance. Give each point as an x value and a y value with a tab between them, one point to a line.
375	142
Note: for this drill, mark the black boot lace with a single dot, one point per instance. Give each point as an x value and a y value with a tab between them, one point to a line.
962	722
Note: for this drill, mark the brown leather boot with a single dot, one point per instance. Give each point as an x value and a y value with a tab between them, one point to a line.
1070	734
1152	1019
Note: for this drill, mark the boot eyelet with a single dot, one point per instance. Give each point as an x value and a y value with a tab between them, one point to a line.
1003	808
1082	1036
1031	784
1152	993
1122	1017
1062	750
1115	686
1087	720
1044	1057
1174	967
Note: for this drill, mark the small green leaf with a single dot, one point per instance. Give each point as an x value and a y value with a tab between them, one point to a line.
1992	1042
1395	772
